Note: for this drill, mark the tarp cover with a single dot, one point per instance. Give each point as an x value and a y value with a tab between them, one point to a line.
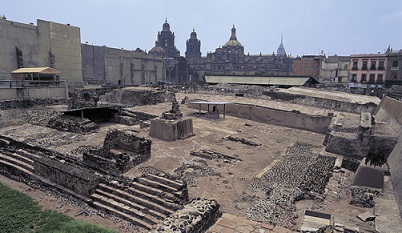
40	70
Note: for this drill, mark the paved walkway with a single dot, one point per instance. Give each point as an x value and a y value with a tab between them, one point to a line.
233	224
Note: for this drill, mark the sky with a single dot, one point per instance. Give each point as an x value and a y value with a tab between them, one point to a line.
341	27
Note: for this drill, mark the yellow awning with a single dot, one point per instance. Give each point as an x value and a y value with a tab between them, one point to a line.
40	70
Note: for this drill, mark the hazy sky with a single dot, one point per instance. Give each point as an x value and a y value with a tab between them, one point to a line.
340	27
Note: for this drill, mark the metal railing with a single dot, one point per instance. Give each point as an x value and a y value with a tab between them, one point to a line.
32	84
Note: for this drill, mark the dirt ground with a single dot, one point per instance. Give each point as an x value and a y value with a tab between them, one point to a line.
218	180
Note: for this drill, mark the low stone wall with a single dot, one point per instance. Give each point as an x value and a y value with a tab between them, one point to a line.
133	96
124	140
72	177
292	119
171	130
196	217
336	105
27	103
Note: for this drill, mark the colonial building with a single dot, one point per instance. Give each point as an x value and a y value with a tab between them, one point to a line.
367	70
47	44
176	70
230	59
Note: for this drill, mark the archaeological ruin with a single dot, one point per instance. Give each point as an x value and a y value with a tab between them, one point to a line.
268	160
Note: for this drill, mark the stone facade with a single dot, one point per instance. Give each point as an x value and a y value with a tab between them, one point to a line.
75	178
111	66
46	44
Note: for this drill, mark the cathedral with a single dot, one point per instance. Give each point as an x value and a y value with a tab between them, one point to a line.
229	59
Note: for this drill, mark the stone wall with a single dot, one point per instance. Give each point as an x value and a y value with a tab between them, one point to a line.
72	177
47	44
196	217
389	111
293	119
171	130
134	96
86	98
105	65
72	124
336	105
27	103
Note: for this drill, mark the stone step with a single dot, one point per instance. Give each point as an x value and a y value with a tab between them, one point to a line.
28	154
124	207
156	184
166	181
112	211
17	162
163	199
15	166
154	215
22	158
138	200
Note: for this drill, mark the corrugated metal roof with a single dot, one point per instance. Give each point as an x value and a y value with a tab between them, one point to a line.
261	80
41	70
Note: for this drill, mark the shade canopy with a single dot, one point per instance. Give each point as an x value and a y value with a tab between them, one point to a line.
36	70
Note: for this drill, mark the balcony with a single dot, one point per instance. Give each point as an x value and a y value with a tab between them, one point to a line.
364	67
372	68
354	68
395	68
381	68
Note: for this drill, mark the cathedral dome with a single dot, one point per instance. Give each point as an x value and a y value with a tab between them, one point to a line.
193	34
157	50
233	40
166	26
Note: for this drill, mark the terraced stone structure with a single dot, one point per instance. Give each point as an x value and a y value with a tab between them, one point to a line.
121	151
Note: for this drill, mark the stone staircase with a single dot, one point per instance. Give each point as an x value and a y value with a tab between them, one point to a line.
144	202
18	162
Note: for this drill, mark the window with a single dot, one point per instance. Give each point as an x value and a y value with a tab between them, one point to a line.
372	65
394	63
353	78
364	66
372	78
354	67
363	80
379	78
381	65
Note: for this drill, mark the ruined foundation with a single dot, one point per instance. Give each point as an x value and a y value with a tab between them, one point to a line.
121	152
196	217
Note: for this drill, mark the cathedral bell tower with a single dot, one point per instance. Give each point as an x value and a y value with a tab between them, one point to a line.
193	46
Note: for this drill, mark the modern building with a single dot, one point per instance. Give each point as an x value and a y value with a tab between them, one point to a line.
230	59
47	44
111	66
309	65
335	69
367	70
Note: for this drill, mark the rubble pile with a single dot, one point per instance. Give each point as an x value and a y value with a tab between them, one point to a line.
196	217
72	124
242	140
318	174
364	197
191	172
208	154
350	164
299	174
